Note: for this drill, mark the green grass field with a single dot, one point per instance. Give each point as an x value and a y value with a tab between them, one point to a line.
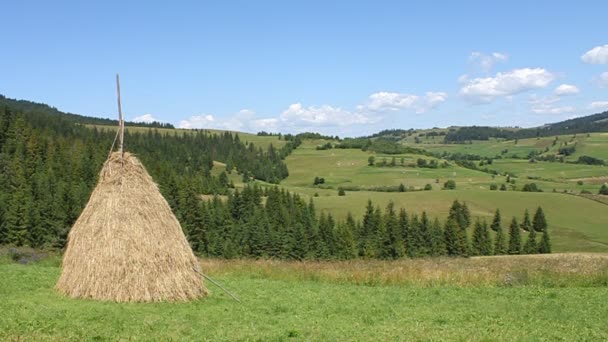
301	301
577	223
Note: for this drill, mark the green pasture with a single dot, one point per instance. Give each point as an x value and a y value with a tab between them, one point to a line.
575	223
304	310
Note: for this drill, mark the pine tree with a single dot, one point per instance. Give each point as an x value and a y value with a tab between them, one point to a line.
514	238
496	222
345	242
545	243
530	247
438	246
367	246
451	239
500	246
404	227
393	244
526	224
540	222
481	244
461	215
426	236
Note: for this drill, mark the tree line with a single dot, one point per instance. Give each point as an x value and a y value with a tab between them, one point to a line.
50	163
274	223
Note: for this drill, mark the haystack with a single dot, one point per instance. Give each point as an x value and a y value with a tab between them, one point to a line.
127	246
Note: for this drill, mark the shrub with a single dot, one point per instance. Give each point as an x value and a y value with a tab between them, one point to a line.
493	186
503	187
341	192
589	160
449	185
604	190
428	187
318	180
531	187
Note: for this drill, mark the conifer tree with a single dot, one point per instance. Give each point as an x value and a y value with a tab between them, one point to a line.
415	237
393	244
531	247
481	244
526	224
514	238
438	241
500	245
486	247
404	227
426	236
540	222
545	243
496	221
452	245
367	246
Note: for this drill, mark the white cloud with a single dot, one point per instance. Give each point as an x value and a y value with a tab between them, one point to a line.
566	89
389	101
322	115
146	118
553	110
549	105
383	100
598	105
516	81
237	122
198	121
597	55
298	118
486	61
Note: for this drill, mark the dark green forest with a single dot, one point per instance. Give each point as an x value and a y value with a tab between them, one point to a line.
592	123
273	223
50	165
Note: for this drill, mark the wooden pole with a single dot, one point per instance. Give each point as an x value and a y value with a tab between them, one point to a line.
121	122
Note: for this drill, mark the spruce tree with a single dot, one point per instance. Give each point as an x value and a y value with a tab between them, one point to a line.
486	248
540	222
345	242
530	247
369	227
393	244
514	238
496	221
526	224
500	245
404	227
545	243
450	232
438	240
477	238
426	235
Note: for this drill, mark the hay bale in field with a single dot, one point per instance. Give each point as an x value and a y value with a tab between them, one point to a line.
127	246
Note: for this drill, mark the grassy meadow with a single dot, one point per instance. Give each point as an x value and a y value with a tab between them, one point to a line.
492	298
577	223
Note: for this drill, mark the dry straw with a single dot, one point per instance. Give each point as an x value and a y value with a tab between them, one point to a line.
127	246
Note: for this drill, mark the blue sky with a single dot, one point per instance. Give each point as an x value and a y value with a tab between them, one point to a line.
336	67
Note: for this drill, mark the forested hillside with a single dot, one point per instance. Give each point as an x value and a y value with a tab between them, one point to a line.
40	108
50	162
592	123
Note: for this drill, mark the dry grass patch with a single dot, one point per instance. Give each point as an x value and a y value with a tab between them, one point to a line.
555	270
